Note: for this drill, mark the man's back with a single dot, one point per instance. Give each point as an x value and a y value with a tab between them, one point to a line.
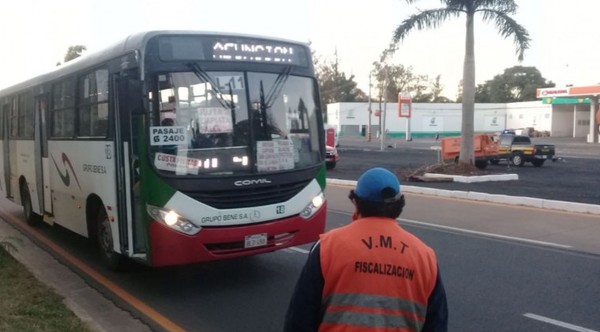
370	275
376	274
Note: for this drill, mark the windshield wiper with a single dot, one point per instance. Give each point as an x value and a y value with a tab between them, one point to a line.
267	101
277	86
203	76
263	109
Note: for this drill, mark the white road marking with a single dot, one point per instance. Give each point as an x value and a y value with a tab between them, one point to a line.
300	250
506	237
498	236
558	323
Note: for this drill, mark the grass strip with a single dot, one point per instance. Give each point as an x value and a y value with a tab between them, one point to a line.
26	304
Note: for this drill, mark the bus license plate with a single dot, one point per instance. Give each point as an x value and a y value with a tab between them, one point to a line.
256	240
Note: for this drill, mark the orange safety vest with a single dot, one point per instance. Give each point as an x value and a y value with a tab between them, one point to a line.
378	277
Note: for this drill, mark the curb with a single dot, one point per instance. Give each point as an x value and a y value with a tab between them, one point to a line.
493	198
473	179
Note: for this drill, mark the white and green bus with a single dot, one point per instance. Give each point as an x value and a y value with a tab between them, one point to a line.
172	147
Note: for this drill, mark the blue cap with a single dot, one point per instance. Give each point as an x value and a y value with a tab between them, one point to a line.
377	185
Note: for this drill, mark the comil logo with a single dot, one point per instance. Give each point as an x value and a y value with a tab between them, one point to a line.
241	183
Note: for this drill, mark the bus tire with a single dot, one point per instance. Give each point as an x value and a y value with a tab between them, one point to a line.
104	239
32	218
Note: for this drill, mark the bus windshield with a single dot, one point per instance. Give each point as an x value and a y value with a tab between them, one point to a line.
216	123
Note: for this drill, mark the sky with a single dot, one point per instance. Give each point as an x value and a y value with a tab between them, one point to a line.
35	34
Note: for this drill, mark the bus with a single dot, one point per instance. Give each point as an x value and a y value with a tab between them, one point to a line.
172	147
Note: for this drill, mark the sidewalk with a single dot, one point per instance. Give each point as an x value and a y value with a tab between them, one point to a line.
99	313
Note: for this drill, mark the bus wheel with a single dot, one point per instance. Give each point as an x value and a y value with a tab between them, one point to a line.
31	217
111	259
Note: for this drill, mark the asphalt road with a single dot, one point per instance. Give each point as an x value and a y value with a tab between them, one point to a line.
501	265
575	177
491	283
505	268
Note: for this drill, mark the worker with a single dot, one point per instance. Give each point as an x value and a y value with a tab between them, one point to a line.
370	275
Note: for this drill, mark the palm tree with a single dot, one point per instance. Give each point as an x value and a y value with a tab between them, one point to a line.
496	11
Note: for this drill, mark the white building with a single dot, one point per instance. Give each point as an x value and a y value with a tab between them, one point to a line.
427	119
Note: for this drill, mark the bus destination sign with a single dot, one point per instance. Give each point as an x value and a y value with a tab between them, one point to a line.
258	51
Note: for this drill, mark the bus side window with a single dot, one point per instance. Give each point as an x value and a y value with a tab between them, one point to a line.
62	117
93	104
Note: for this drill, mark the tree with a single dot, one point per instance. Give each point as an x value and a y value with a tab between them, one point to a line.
398	78
459	92
496	11
393	79
73	52
516	84
334	86
436	91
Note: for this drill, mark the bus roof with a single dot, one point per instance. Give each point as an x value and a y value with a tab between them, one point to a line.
130	44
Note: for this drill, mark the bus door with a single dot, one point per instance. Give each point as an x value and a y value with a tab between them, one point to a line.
5	130
41	153
128	103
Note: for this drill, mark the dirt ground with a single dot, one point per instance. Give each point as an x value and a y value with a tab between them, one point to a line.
573	177
416	175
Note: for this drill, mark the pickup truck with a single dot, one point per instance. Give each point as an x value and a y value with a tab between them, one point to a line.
519	149
484	148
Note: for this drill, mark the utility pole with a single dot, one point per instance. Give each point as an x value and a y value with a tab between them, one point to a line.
379	116
370	111
383	114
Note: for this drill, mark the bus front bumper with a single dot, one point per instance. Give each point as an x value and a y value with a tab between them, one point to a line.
169	247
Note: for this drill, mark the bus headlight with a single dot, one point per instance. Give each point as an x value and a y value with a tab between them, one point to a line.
172	220
313	206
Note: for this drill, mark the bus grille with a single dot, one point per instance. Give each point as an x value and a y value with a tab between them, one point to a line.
246	197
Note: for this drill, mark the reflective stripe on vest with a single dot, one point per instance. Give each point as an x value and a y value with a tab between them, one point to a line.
362	310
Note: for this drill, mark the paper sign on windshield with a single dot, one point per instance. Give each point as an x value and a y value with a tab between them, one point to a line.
215	120
168	135
275	155
174	163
